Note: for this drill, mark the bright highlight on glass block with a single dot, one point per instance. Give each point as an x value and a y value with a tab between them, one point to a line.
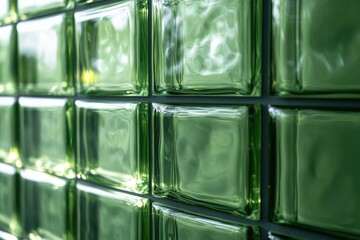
315	47
208	155
112	49
7	59
176	224
45	55
46	139
317	169
7	236
203	47
105	214
112	144
46	206
36	7
7	12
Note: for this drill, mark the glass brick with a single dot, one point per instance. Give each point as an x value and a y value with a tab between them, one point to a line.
316	183
8	130
175	224
309	57
105	214
28	8
7	59
112	144
45	55
8	199
46	140
112	49
46	206
208	155
203	47
7	12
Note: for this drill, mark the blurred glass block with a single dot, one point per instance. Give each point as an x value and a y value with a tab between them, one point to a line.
112	144
316	181
45	55
208	156
46	139
8	199
7	12
309	57
7	59
178	225
46	206
105	214
272	236
7	236
112	49
206	47
8	132
28	8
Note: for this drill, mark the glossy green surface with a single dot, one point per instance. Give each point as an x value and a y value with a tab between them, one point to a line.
45	55
315	47
46	205
7	12
112	49
207	156
28	8
317	169
172	224
7	60
206	47
112	144
105	214
46	141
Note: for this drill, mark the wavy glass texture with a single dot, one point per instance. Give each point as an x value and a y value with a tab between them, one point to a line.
309	57
45	55
7	12
46	135
104	214
207	156
7	59
172	224
203	47
112	144
46	206
112	49
317	169
28	8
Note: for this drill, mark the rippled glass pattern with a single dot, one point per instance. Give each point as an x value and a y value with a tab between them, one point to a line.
28	8
205	47
313	51
317	168
7	59
105	214
46	140
45	55
112	144
111	45
207	156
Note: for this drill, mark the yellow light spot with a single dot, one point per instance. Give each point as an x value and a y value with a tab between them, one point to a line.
88	77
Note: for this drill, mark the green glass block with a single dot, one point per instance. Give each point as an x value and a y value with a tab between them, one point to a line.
112	144
28	8
316	183
173	224
7	12
46	206
309	57
7	236
46	138
105	214
8	130
272	236
208	155
45	55
203	47
112	49
7	59
8	199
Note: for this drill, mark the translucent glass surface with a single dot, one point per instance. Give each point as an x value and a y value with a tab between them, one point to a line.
177	225
7	236
7	12
7	59
207	156
313	51
46	135
45	55
317	169
112	144
105	214
36	7
112	49
46	206
204	47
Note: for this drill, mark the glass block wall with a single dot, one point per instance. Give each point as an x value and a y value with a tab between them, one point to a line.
179	119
